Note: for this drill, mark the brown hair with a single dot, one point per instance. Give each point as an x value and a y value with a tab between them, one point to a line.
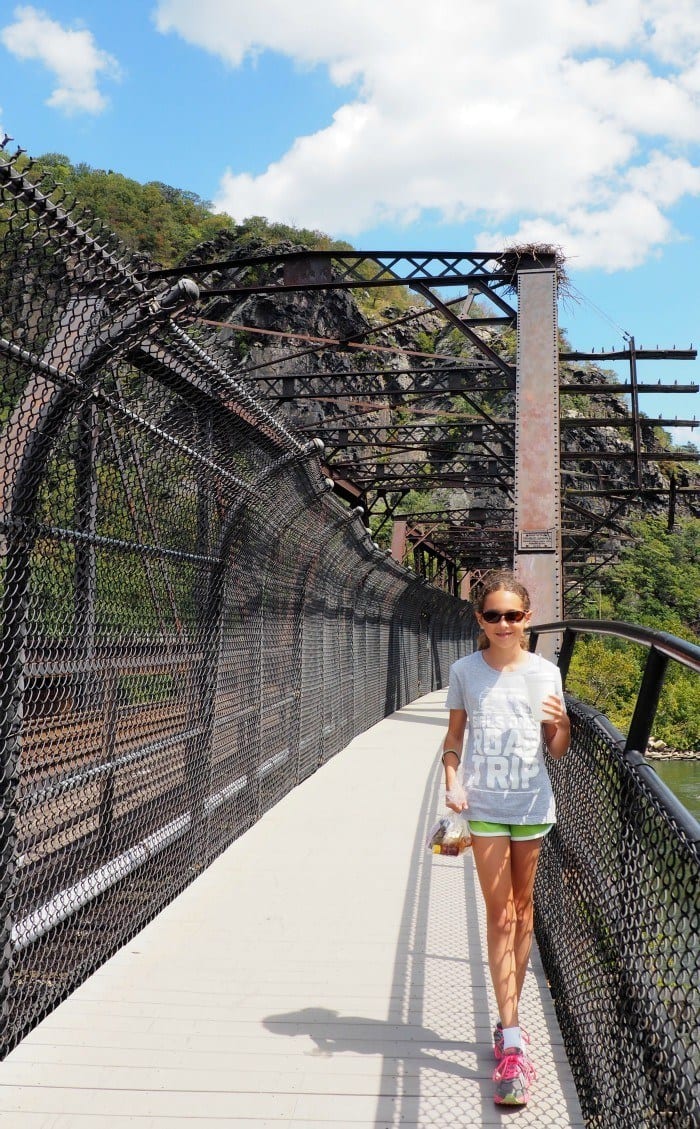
501	580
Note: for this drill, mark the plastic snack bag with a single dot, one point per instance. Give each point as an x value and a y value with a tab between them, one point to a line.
449	836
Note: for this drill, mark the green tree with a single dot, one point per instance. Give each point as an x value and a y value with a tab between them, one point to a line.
657	581
606	675
655	584
155	218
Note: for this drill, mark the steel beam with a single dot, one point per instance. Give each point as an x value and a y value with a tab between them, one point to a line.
599	389
537	474
624	355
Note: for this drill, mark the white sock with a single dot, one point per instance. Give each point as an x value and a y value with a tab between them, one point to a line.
511	1037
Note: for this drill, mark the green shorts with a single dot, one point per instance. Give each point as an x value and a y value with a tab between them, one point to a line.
512	830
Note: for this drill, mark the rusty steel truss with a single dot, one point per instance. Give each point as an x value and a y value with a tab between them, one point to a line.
459	436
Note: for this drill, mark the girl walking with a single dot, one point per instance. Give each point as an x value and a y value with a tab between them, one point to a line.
509	799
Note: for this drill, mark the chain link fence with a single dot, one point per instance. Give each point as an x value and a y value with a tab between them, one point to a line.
617	903
191	623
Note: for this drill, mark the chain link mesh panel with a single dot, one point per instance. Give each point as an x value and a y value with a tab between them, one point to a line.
191	622
617	921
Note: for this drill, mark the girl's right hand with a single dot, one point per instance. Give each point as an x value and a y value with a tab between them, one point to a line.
456	798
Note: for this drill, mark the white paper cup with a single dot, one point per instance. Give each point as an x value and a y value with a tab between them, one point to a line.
539	687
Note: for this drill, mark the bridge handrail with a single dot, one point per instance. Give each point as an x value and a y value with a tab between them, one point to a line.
616	905
662	647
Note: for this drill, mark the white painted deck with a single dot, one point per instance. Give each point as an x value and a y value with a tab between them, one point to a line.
325	971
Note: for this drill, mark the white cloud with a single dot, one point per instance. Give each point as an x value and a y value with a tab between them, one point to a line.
628	93
70	54
673	27
566	117
665	179
618	237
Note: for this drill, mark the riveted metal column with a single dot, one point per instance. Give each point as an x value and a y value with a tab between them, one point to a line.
465	585
398	541
537	492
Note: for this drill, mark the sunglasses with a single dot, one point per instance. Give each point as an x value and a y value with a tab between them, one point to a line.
511	616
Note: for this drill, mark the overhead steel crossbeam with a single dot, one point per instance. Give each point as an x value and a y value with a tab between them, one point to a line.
645	494
334	270
471	378
463	526
456	516
454	376
328	391
453	372
622	388
457	539
331	270
588	423
450	527
462	466
425	436
629	456
428	432
625	354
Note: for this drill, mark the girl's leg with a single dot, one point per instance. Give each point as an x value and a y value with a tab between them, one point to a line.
523	865
492	856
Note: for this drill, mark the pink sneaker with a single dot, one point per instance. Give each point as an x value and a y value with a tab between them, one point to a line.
513	1077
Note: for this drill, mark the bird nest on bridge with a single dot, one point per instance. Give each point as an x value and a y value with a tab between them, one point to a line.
533	256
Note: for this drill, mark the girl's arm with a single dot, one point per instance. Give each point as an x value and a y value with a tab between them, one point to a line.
557	732
452	746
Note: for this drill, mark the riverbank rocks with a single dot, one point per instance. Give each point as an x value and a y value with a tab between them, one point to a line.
660	751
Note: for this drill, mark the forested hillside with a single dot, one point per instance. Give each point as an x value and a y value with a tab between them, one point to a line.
656	580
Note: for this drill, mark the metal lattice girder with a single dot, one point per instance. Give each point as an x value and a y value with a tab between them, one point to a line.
322	270
641	495
342	386
422	436
327	270
468	531
603	456
455	518
395	471
576	541
618	389
586	423
417	433
625	354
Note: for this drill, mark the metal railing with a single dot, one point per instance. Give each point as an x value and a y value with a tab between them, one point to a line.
617	908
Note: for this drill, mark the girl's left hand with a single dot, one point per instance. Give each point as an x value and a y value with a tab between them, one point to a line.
554	709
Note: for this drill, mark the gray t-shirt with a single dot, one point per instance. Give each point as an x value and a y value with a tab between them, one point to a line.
503	768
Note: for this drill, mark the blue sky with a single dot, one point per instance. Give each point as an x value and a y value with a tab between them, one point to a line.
452	126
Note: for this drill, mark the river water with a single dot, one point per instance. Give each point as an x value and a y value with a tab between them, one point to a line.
683	778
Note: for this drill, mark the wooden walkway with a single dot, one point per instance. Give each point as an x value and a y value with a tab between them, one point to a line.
325	971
